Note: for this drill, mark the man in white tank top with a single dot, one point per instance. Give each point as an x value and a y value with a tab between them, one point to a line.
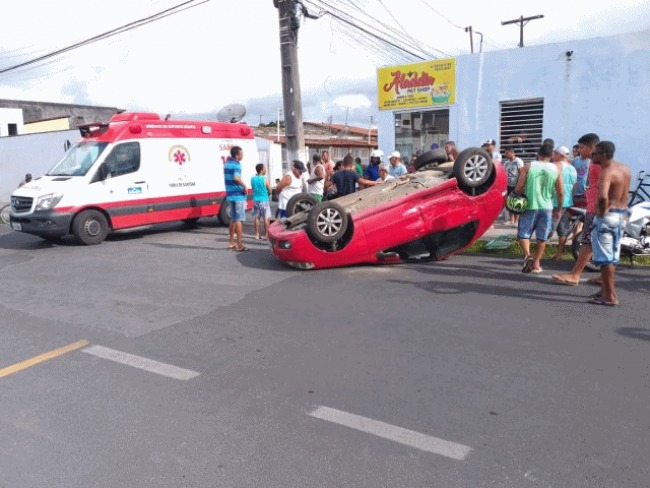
291	184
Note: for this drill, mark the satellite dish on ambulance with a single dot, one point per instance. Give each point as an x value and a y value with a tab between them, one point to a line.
231	113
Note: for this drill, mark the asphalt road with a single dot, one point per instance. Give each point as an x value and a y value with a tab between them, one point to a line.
193	366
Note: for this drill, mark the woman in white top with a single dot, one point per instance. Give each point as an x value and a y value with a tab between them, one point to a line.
291	184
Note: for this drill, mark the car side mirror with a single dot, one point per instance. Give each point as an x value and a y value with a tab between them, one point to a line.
103	171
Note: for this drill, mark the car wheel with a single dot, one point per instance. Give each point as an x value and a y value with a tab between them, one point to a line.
224	214
327	222
431	158
473	167
302	202
90	227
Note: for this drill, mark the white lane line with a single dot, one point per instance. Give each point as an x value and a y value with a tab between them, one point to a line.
407	437
141	363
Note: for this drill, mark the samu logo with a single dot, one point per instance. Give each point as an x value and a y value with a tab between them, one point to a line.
179	154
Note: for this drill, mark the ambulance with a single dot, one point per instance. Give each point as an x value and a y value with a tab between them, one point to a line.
134	171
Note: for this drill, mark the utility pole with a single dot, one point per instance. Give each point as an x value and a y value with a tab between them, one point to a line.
293	126
522	21
471	38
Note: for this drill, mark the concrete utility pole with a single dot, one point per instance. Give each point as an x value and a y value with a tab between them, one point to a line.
522	21
294	130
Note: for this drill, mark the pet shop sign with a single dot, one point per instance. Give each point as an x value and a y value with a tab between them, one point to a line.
417	85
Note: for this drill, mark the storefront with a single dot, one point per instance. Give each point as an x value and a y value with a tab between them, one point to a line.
418	96
521	96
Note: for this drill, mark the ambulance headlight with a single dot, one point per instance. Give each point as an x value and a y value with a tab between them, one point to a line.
49	201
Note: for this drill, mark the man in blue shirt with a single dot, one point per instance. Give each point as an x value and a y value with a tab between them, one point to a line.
581	164
236	197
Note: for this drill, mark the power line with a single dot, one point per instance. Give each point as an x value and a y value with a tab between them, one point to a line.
113	32
362	27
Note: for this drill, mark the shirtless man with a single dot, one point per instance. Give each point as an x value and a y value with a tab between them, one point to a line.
613	187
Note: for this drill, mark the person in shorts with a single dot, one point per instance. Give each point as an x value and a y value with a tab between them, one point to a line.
261	204
587	144
564	226
512	166
541	180
610	216
236	193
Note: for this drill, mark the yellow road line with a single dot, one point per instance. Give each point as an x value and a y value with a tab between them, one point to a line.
41	358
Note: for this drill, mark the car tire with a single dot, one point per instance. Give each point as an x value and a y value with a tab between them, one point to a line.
473	167
90	227
301	202
431	158
327	222
224	214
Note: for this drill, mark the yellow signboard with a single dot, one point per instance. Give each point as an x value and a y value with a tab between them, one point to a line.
417	85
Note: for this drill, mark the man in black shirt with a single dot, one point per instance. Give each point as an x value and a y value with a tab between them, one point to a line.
347	178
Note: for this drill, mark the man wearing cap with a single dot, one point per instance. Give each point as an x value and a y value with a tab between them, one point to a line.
291	184
396	168
563	226
372	170
490	146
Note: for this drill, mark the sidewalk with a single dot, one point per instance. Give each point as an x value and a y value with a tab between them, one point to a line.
501	228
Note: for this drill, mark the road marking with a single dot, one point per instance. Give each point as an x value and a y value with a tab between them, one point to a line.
391	432
139	362
41	358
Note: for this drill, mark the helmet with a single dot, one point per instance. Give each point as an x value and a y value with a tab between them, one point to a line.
377	153
516	204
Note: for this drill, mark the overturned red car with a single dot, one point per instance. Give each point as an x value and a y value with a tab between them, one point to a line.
431	214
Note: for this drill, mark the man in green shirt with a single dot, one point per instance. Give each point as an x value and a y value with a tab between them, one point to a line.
540	181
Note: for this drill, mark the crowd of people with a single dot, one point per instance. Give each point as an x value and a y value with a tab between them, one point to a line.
585	176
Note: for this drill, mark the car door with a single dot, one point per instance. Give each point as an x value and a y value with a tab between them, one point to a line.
124	188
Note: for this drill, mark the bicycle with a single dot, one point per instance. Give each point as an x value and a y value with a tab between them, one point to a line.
642	191
4	213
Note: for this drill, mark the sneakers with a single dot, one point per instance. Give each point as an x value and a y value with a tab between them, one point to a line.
528	264
536	270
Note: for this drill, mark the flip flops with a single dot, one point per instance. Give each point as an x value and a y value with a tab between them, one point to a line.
528	265
563	281
599	301
242	249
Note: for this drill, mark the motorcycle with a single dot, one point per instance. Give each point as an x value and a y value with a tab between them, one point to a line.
636	233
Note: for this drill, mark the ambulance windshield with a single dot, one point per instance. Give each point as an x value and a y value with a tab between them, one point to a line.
79	159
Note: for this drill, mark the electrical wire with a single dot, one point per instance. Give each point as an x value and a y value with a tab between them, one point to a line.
390	36
113	32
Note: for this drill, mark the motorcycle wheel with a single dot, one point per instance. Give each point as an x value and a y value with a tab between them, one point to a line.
575	250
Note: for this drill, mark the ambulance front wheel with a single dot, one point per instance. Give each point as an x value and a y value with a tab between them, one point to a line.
90	227
224	214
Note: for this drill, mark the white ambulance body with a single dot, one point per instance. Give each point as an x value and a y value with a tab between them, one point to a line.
134	171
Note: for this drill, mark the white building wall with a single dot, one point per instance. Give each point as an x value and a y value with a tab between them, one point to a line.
603	87
10	116
30	153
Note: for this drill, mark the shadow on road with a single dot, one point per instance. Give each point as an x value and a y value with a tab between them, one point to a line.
634	333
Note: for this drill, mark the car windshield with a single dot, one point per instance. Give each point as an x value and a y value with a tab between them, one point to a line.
79	159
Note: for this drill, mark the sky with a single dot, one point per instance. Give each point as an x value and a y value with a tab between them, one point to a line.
219	52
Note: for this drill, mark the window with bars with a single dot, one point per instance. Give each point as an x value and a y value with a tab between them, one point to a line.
521	127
